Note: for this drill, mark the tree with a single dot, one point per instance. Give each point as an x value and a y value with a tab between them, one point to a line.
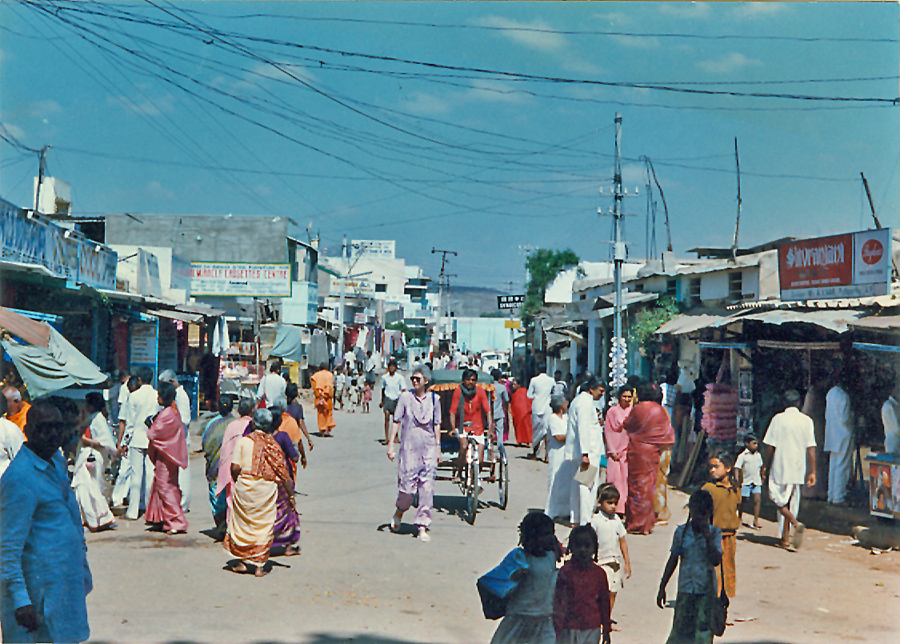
543	266
647	321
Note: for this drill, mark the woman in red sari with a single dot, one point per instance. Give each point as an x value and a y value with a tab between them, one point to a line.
649	433
168	451
520	412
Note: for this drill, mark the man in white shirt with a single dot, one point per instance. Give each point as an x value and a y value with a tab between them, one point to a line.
839	437
11	438
890	418
584	447
123	440
392	383
539	390
141	405
183	403
271	387
791	455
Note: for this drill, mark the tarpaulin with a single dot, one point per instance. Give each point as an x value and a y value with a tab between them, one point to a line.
57	366
288	343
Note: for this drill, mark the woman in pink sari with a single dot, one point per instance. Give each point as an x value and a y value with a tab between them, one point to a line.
617	446
233	433
168	451
649	433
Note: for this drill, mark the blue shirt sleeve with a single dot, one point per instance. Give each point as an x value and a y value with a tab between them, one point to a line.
17	507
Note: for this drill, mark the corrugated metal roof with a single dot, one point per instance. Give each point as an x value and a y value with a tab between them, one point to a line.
683	324
878	323
834	320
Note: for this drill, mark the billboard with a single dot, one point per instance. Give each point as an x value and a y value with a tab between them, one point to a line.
848	265
373	248
241	280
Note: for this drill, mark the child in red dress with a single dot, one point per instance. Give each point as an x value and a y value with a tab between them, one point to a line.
581	603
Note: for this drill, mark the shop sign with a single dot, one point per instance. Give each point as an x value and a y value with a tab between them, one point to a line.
39	241
839	266
143	345
510	302
303	305
236	279
373	248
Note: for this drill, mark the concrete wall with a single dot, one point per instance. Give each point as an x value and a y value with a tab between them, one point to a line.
255	239
714	286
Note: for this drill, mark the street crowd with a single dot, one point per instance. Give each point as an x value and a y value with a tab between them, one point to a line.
607	469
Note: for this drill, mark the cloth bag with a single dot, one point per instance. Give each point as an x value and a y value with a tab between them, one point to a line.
496	586
718	611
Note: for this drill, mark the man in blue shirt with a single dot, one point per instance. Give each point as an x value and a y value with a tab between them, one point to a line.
44	574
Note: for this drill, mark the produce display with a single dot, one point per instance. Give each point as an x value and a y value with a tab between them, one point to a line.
721	407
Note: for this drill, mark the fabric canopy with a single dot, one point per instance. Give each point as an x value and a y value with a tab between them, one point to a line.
288	343
57	366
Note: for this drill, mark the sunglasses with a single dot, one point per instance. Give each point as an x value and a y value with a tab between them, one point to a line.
416	379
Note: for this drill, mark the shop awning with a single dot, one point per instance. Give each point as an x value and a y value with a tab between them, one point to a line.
180	316
833	320
878	323
54	367
202	309
628	299
683	324
35	333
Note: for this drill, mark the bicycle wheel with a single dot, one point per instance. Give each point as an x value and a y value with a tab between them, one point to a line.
503	476
472	491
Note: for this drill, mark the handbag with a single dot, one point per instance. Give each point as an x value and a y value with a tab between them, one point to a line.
718	611
496	587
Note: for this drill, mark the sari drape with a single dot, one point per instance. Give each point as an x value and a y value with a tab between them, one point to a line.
650	432
168	452
617	443
520	411
251	527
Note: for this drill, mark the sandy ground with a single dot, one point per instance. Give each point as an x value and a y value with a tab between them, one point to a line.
355	581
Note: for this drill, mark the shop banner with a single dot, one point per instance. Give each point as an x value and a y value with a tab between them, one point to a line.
39	241
234	279
839	266
143	345
373	248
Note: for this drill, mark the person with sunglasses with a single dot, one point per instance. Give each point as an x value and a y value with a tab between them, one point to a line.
419	413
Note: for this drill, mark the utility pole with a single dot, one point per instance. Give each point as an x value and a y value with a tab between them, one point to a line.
444	253
871	203
618	348
339	353
41	167
737	224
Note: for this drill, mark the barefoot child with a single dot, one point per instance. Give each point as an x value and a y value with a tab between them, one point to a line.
697	546
581	601
612	551
529	613
726	498
366	396
750	472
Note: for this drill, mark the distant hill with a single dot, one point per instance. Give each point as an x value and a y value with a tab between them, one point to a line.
472	301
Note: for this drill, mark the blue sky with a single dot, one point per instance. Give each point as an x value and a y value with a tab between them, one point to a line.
483	128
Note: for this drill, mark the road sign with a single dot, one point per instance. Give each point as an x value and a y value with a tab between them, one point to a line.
513	324
510	301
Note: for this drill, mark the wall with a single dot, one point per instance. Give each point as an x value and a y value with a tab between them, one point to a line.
255	239
714	286
481	334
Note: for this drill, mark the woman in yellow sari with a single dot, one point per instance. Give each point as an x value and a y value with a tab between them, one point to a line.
323	386
257	466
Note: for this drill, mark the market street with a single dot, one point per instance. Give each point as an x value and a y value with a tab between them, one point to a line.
357	581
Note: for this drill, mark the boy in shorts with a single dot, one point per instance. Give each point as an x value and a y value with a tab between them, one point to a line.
612	551
750	471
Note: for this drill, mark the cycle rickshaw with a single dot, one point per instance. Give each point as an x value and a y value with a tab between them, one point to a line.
493	469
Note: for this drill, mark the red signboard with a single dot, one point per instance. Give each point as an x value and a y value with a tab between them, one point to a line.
814	263
849	265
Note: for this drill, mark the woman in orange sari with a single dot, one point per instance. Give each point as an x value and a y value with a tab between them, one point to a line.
323	387
520	412
168	451
257	468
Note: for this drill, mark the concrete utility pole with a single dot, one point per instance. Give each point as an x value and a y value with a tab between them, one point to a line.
41	167
737	224
618	348
444	253
339	352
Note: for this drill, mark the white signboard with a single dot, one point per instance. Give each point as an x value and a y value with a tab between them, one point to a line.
234	279
374	248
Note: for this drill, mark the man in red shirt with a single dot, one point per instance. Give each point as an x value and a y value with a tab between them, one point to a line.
470	404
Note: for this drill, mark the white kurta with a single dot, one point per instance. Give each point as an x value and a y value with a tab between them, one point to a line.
183	402
11	439
584	436
838	443
87	476
539	391
559	470
890	417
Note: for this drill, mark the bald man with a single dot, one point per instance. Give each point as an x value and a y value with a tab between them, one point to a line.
16	408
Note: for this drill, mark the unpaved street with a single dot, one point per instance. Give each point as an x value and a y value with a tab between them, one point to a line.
357	581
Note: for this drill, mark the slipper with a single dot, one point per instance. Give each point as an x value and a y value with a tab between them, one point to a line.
395	523
755	527
798	536
787	546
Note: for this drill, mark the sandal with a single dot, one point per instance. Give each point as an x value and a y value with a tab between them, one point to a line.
395	523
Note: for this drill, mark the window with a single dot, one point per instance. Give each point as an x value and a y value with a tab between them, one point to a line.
671	285
638	288
736	286
693	298
381	288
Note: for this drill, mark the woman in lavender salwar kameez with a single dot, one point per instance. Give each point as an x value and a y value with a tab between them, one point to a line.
418	417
